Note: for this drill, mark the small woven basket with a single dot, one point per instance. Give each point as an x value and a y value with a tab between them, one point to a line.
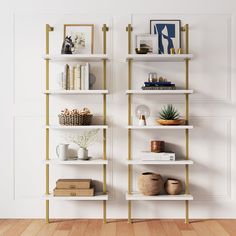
75	119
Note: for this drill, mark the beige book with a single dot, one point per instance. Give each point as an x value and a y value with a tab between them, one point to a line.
73	183
73	192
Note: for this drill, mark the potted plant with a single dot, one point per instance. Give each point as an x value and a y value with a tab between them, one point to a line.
85	140
170	116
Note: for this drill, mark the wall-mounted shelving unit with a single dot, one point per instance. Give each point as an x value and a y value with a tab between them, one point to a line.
130	58
103	161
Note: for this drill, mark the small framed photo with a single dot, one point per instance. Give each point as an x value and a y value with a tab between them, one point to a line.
147	41
82	37
168	32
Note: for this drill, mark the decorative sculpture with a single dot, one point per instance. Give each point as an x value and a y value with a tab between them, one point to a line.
67	46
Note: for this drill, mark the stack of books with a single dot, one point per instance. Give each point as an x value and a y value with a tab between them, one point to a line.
75	77
158	156
73	187
159	85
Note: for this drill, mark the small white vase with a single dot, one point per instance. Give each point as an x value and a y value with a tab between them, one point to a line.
83	154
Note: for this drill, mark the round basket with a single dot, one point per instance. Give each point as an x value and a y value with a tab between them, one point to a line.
150	183
75	119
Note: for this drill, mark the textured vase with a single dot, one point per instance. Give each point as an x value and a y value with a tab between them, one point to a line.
173	186
150	183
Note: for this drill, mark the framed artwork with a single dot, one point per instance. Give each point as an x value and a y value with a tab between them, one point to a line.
147	41
169	34
82	37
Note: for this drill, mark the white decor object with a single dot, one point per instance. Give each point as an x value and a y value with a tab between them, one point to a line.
142	112
83	154
62	151
85	140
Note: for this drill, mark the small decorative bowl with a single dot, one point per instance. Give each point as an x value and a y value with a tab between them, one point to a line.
141	50
171	122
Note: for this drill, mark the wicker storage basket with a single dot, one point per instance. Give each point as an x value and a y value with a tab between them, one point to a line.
75	119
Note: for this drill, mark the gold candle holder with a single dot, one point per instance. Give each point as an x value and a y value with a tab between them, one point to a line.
180	51
172	51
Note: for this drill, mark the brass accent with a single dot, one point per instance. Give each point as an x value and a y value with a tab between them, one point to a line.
48	29
186	30
104	211
129	30
172	51
104	85
179	51
129	212
85	25
186	212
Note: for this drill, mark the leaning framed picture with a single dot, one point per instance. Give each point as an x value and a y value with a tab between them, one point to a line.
82	37
148	41
168	32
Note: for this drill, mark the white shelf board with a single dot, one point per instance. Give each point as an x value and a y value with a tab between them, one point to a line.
76	57
75	92
176	91
97	197
73	127
145	162
159	57
77	162
136	196
160	127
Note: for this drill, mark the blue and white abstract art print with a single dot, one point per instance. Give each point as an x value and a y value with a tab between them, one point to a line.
168	32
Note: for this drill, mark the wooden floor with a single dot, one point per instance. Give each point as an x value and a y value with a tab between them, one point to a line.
119	228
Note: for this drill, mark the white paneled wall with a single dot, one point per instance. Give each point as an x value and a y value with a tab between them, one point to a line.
212	109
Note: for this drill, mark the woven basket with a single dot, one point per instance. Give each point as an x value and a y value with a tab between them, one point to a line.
75	119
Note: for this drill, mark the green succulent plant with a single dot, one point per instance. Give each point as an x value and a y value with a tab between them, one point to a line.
169	113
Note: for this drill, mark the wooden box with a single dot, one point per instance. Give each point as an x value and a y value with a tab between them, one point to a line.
73	183
73	192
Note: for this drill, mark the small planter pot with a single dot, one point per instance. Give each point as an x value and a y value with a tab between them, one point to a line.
150	183
173	186
83	154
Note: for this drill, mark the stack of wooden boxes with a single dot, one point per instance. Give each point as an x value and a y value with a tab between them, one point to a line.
73	187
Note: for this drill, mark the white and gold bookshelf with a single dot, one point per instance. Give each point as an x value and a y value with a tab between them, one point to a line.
130	59
50	127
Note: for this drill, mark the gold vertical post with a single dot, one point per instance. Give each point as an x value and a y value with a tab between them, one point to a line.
104	29
186	29
129	30
48	29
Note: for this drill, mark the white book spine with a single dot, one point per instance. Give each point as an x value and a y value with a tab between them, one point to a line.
86	77
82	76
71	78
63	80
162	156
77	77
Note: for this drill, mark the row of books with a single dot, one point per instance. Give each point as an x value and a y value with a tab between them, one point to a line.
75	77
165	85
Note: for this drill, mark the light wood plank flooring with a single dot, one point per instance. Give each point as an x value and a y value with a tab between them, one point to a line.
117	228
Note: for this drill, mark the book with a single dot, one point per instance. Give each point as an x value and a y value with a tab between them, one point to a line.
86	76
73	192
66	72
71	76
159	88
77	82
63	80
157	83
82	76
159	156
73	183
